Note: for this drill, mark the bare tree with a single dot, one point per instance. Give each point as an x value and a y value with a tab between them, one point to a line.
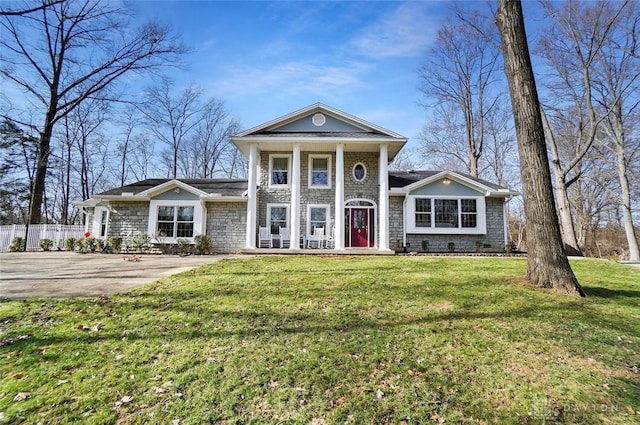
28	9
171	118
205	153
460	74
617	72
18	153
65	53
571	46
547	263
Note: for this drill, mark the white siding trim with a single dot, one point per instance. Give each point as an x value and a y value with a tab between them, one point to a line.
410	218
198	218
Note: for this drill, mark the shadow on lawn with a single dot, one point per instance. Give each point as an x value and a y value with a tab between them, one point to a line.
595	291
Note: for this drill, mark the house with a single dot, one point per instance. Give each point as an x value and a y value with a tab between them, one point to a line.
318	178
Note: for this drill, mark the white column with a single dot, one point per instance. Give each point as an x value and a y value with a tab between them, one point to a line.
252	199
295	199
383	176
339	201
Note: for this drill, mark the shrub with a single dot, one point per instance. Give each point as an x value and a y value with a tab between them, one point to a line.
479	246
70	244
46	244
92	243
425	245
202	243
183	244
115	242
83	245
17	244
451	246
140	241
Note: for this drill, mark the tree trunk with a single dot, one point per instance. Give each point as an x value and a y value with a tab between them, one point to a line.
627	217
547	265
39	180
567	228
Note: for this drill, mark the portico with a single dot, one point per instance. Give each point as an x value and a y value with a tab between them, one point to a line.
319	172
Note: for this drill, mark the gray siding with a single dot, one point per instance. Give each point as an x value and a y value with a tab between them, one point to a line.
227	224
172	195
128	218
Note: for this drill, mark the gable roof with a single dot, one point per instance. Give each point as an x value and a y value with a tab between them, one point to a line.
299	127
271	127
201	187
406	181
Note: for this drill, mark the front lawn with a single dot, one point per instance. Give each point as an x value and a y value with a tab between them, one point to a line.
315	340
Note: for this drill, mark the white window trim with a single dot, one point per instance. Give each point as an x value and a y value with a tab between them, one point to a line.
288	213
481	214
198	218
327	208
271	158
97	217
310	184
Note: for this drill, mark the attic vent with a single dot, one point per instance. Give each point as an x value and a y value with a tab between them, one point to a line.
318	120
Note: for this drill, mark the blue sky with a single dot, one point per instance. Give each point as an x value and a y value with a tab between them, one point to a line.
266	59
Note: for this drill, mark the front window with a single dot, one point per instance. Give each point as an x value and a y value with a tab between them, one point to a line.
279	170
359	172
318	217
446	215
277	218
446	212
175	221
468	213
423	212
103	224
319	171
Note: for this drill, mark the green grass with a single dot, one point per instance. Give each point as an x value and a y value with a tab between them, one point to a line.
331	340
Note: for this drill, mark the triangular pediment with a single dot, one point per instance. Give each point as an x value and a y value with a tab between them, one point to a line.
318	118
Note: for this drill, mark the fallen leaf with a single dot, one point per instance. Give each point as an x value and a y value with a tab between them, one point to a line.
630	410
379	394
159	390
17	375
175	422
274	384
156	378
21	396
124	400
97	327
62	381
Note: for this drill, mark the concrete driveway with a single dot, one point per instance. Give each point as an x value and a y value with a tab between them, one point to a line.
68	274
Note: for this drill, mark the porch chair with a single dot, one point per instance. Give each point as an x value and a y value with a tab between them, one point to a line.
317	238
285	237
329	241
264	238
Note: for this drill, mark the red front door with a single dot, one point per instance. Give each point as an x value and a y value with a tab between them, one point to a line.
359	227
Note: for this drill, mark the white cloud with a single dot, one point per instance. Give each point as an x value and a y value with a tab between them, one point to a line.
406	32
290	78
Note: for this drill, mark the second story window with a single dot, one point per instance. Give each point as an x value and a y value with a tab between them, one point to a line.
320	171
279	170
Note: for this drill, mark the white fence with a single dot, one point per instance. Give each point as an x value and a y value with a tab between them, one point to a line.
56	232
